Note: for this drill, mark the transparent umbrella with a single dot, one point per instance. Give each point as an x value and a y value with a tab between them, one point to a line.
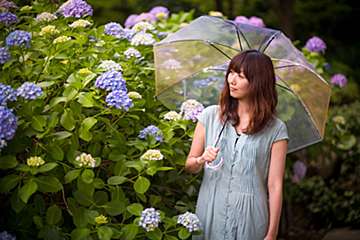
191	64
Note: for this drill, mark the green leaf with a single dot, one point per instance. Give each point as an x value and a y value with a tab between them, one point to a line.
169	237
86	125
38	122
80	234
86	100
55	152
53	215
27	190
48	184
135	209
88	176
9	182
347	142
47	167
116	180
104	233
7	162
184	233
61	135
67	120
129	232
114	207
38	222
141	185
72	175
154	235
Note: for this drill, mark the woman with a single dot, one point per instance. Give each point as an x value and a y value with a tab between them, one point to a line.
241	192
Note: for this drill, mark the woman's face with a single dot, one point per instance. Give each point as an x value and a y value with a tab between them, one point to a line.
238	85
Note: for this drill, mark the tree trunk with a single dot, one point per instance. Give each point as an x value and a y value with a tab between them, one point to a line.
284	10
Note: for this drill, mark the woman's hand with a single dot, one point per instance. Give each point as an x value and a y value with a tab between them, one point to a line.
270	237
209	154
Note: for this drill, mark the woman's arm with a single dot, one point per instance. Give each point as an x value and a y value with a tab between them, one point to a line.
194	162
275	186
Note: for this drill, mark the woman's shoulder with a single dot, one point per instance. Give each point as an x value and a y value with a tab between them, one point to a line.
208	113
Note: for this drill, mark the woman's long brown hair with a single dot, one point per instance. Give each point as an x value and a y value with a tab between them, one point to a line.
259	70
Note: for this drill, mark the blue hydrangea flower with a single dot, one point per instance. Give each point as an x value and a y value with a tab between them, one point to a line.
132	52
129	33
5	235
115	29
8	18
8	124
151	130
339	80
191	109
190	221
7	93
111	81
315	44
202	83
119	99
18	38
150	219
76	8
29	91
4	55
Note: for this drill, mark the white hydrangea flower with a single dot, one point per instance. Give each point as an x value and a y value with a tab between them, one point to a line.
109	65
152	155
190	221
171	64
149	219
143	27
45	17
142	38
49	30
35	161
85	160
172	116
81	23
132	52
61	39
134	95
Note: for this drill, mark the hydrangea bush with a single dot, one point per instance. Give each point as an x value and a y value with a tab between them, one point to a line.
85	151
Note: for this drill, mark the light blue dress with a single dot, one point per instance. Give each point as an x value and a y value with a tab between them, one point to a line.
233	201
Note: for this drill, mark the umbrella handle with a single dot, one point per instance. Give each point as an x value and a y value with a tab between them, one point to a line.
216	166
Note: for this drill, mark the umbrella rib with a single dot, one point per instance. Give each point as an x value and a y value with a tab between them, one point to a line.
213	45
267	43
237	33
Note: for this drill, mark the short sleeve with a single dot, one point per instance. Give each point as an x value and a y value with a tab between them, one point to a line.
204	116
281	133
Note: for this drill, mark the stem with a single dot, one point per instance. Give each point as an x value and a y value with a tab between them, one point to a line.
65	202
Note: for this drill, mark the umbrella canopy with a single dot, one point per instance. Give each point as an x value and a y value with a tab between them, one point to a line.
192	62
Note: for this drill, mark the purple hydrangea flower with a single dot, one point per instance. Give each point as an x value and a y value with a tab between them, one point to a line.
160	12
190	109
150	219
202	83
76	8
8	18
5	235
190	221
4	55
7	93
256	21
241	19
7	5
132	52
130	21
151	130
18	38
339	80
129	33
29	91
147	17
299	169
315	44
111	81
8	124
119	99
